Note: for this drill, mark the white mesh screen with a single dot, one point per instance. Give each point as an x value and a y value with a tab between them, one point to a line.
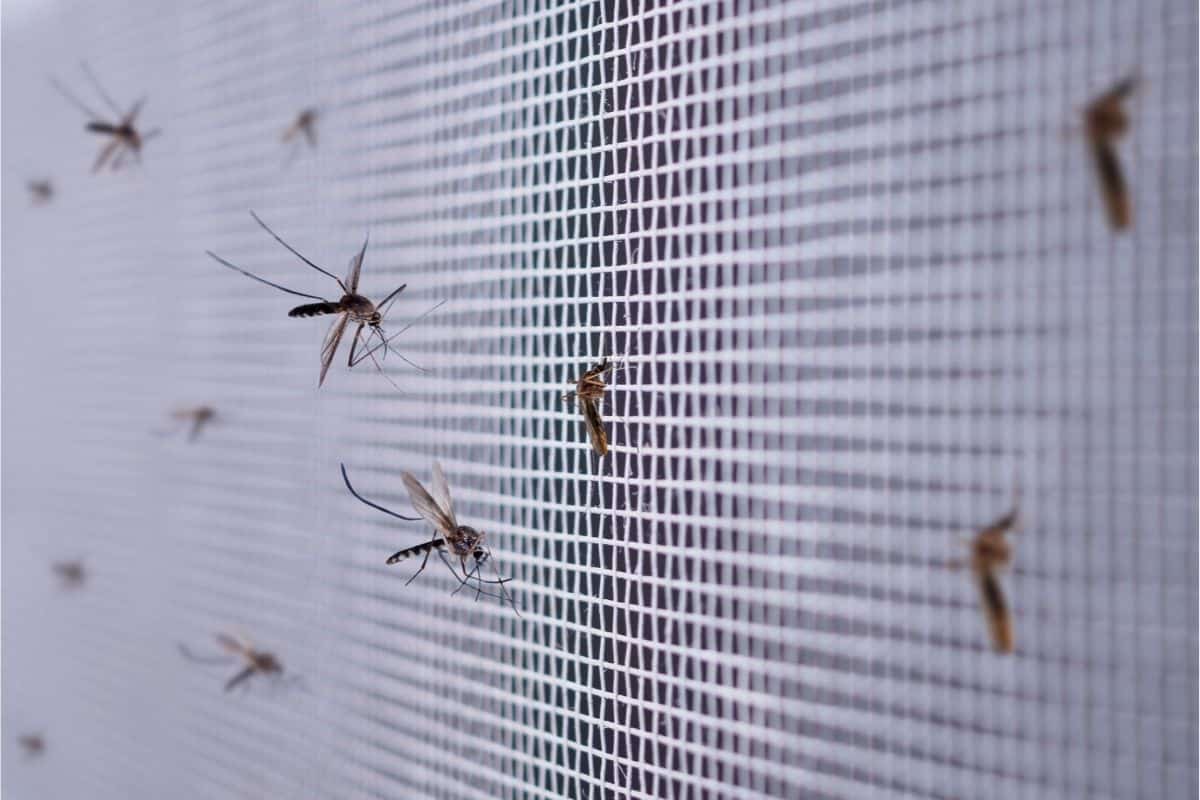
853	257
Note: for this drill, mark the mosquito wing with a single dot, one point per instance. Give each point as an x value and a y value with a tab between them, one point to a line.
355	268
427	507
441	494
1112	185
595	425
332	340
231	645
995	609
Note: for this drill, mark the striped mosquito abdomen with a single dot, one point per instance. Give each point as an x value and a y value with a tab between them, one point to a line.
416	550
315	309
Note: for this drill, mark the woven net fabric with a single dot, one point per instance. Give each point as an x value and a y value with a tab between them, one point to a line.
852	260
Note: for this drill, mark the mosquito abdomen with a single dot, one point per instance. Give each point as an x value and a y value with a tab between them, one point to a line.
416	549
315	309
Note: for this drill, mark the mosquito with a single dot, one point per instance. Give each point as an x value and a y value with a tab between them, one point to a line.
41	192
352	307
124	136
589	392
1106	121
196	419
71	573
254	660
34	744
460	541
991	552
306	124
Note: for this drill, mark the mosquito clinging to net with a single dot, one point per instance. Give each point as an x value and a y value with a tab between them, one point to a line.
453	541
71	574
589	393
1106	121
124	136
305	125
41	192
351	307
254	661
991	552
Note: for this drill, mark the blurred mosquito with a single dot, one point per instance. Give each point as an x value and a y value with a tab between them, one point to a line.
589	393
34	744
304	125
352	307
196	419
460	541
125	138
254	661
71	573
1106	121
41	192
991	552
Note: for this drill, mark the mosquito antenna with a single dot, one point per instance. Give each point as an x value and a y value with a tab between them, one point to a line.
296	253
75	101
346	478
263	280
96	82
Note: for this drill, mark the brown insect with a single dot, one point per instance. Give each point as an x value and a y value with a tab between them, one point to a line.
351	307
41	192
1106	121
453	540
34	744
124	136
71	573
589	392
254	661
306	124
990	553
195	418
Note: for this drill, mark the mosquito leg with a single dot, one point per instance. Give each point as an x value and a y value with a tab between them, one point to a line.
190	656
396	335
95	82
424	561
504	592
378	367
75	101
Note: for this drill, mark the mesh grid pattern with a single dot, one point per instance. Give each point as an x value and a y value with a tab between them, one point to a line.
854	264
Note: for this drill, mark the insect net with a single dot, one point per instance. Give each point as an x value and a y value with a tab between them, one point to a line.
853	261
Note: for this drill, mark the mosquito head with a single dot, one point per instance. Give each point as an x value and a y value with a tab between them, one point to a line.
375	320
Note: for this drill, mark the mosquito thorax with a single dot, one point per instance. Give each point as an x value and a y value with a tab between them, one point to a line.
359	307
466	541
